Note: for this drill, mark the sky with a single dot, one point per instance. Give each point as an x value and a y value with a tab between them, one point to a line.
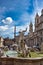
18	13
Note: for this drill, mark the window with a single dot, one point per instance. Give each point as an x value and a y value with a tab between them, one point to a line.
41	33
41	39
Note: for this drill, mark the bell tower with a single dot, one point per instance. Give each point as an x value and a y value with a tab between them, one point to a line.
30	27
36	21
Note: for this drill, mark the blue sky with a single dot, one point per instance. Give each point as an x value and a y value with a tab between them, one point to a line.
19	13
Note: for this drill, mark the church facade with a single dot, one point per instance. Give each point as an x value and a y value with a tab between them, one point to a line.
34	38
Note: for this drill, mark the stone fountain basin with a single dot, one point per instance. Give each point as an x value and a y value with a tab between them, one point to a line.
14	60
21	61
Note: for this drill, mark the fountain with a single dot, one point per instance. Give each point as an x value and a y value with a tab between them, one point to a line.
21	56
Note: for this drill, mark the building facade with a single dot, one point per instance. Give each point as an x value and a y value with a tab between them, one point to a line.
34	38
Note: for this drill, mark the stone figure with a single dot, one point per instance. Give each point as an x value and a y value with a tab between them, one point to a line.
22	48
21	38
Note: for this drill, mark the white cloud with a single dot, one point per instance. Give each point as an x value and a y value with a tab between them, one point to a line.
11	30
7	31
25	17
8	20
3	28
38	6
